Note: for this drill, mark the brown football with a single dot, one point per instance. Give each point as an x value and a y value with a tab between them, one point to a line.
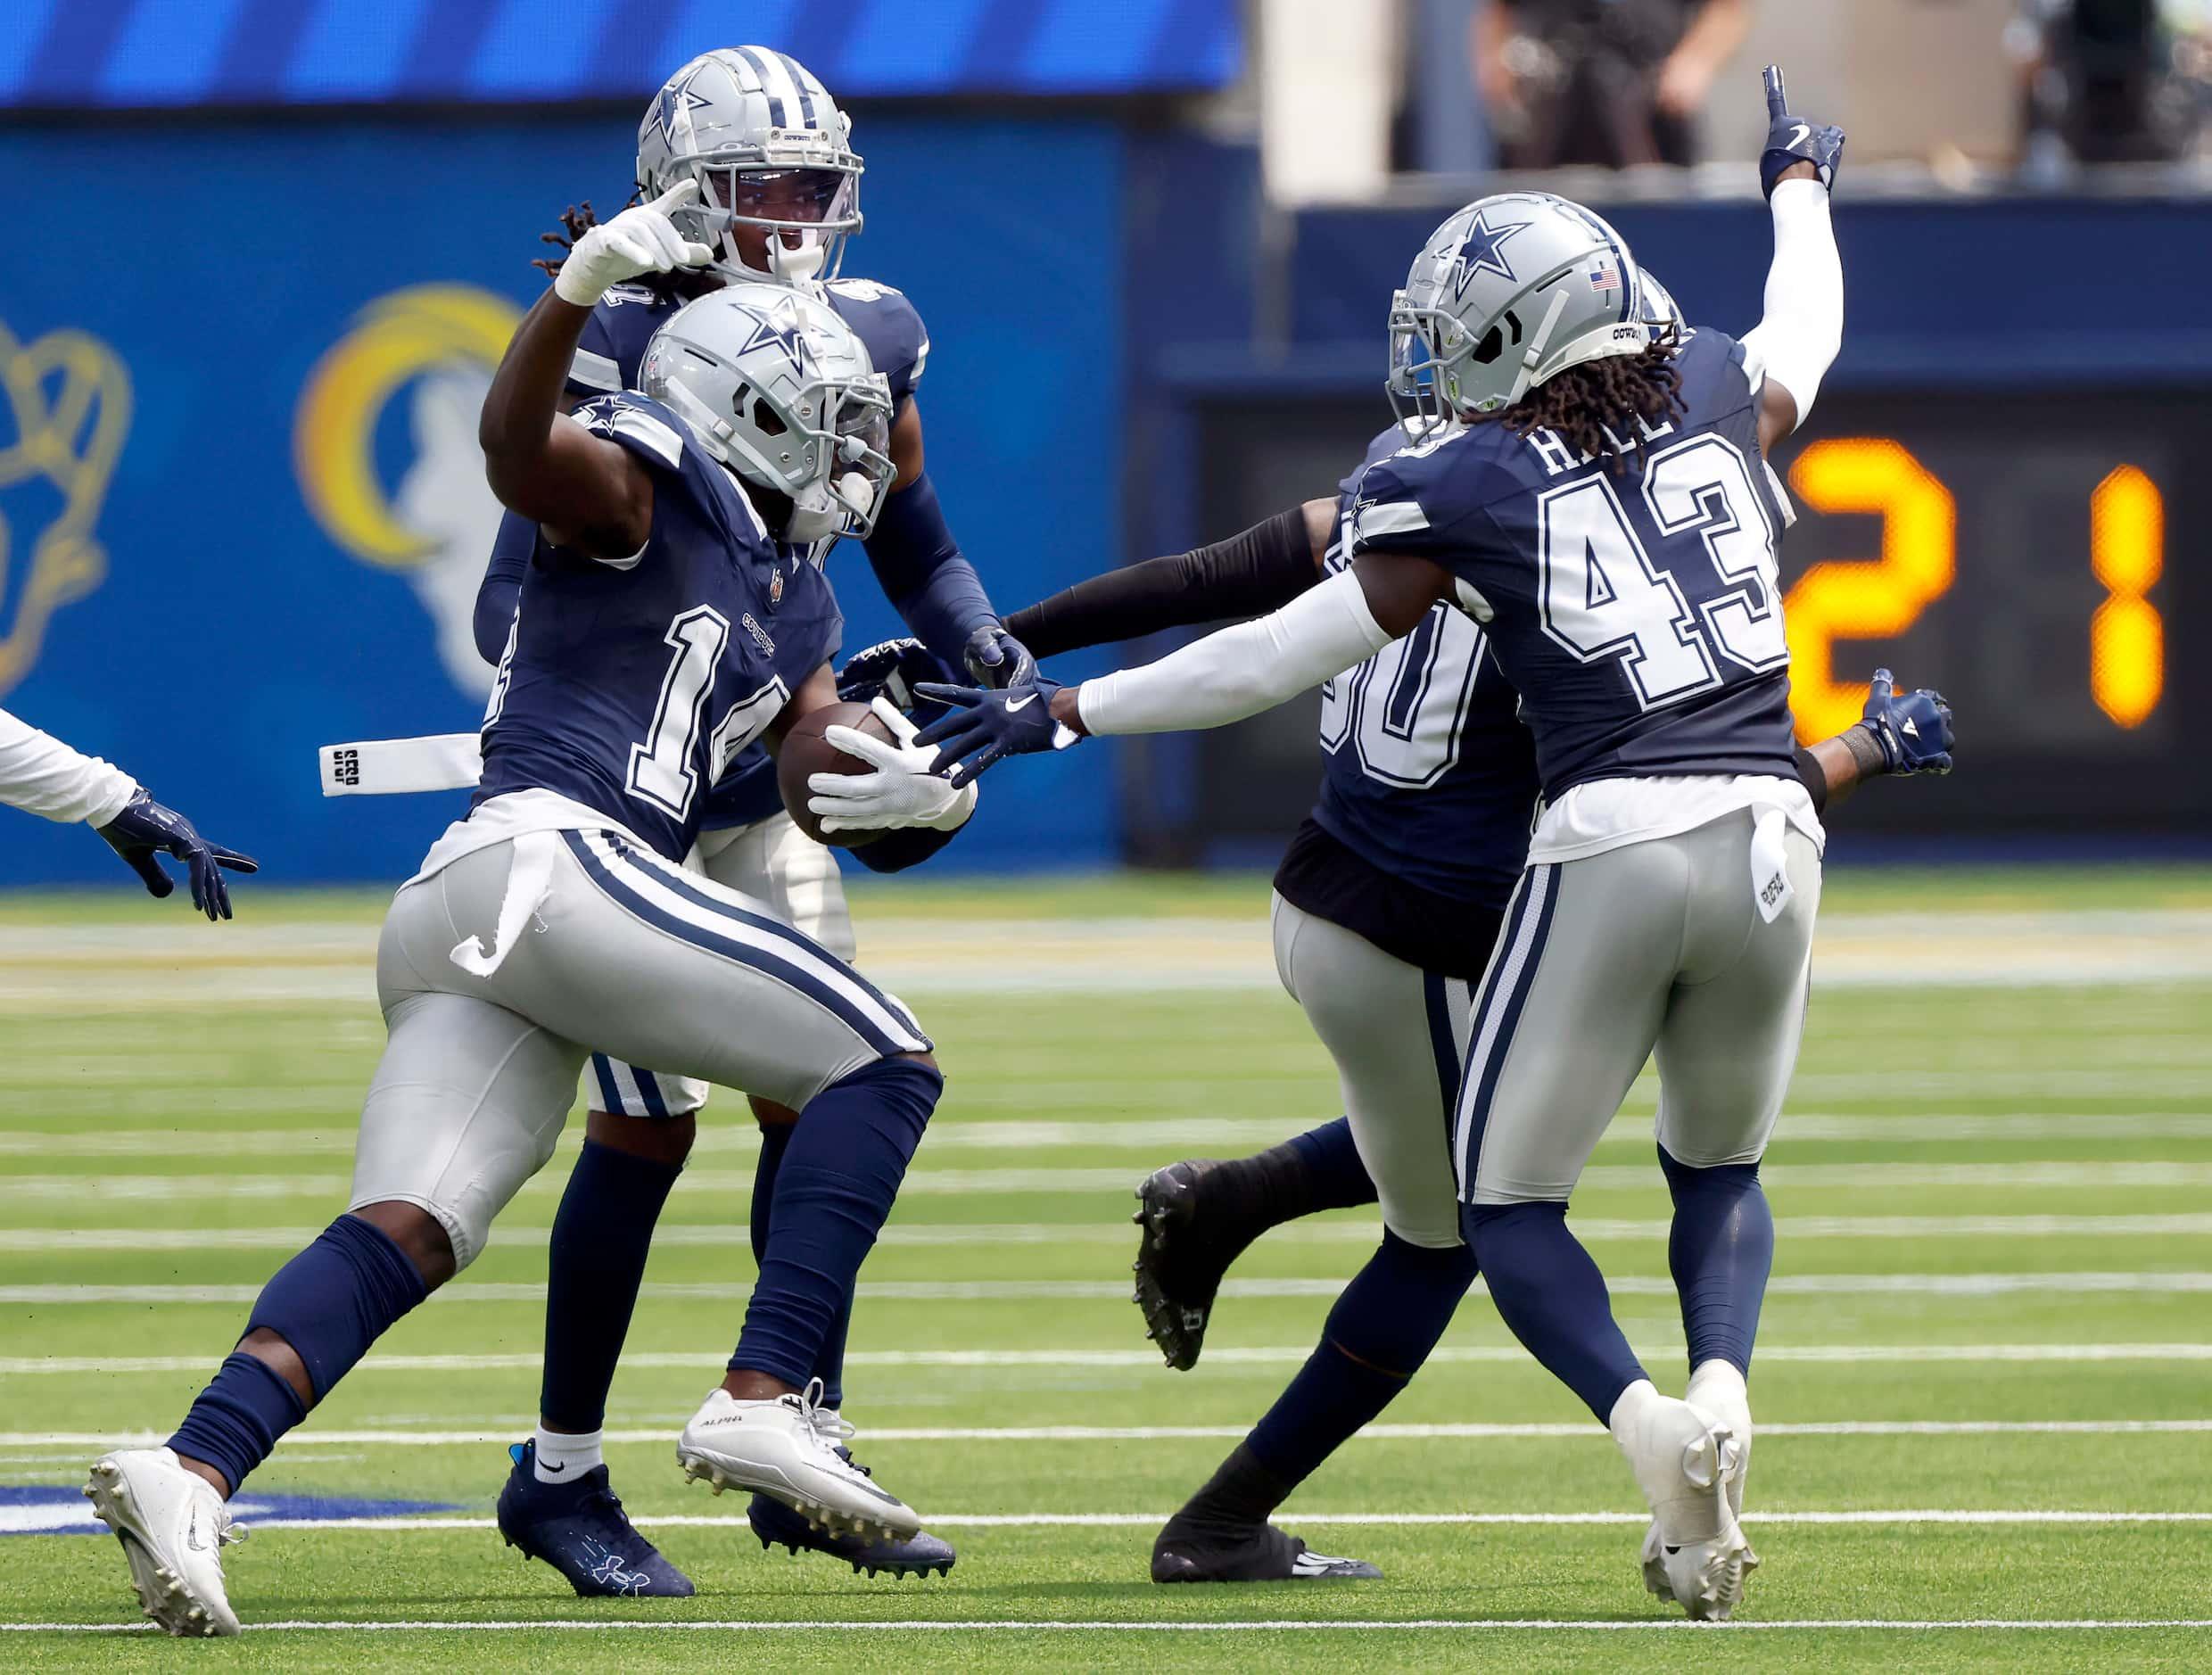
806	752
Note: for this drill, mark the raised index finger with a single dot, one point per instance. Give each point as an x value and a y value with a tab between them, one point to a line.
1778	101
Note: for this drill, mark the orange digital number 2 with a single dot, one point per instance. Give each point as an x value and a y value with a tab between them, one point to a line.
1862	600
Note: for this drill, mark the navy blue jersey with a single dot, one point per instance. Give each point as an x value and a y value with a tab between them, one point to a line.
1636	612
607	361
1429	772
630	685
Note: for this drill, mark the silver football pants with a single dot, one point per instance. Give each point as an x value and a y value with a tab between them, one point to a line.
1398	1035
1655	946
623	953
770	860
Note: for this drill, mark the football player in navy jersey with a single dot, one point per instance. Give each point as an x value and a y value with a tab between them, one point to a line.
770	154
1597	504
671	617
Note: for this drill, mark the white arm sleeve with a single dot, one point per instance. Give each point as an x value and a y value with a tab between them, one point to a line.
1803	328
1240	670
44	776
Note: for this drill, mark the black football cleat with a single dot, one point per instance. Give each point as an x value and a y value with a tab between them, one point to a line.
580	1530
1185	1245
779	1526
1261	1553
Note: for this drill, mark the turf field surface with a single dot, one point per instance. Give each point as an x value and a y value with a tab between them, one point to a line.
1981	1384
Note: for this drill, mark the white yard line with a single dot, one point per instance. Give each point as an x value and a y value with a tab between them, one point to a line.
1169	1138
63	1241
109	1186
1270	1356
2064	1283
1533	1431
1543	1625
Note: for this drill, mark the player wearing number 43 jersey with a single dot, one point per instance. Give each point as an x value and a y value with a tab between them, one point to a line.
1597	504
666	623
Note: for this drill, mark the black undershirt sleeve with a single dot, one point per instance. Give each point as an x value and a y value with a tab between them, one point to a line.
1261	570
1810	770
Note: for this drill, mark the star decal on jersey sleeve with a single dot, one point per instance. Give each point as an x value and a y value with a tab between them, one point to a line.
1484	249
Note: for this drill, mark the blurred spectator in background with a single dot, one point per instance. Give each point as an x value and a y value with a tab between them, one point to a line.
2113	80
1610	82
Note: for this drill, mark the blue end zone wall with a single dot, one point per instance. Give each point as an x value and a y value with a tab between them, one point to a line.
218	273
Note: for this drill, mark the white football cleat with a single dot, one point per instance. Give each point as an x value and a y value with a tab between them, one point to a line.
786	1448
1718	1388
174	1528
1682	1457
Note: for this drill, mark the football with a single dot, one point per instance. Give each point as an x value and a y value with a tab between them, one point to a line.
805	752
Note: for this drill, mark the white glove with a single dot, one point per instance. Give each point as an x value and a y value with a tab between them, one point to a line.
641	239
902	791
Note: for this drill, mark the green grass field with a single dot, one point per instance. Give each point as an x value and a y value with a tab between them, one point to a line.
1982	1390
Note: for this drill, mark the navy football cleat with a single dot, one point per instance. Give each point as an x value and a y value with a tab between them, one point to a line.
779	1526
1188	1552
579	1529
1185	1245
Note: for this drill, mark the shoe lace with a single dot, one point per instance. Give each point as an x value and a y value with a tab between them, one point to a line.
829	1427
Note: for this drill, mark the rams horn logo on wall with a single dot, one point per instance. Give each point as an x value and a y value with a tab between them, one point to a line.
439	343
68	397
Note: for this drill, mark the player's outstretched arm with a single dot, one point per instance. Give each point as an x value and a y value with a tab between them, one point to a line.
1802	329
1261	569
43	776
1900	734
1228	675
585	490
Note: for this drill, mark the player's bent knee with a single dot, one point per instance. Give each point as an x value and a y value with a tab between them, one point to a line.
771	1115
667	1140
420	1234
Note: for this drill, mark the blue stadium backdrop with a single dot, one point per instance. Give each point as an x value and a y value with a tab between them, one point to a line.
56	54
244	513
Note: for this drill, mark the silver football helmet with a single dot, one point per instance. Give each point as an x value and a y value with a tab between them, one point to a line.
1510	291
769	148
780	390
1662	315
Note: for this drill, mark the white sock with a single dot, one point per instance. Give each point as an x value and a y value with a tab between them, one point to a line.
563	1456
1717	1386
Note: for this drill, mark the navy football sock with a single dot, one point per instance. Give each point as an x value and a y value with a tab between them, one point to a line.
829	1365
840	1171
1551	1294
238	1418
1721	1251
1378	1334
594	1263
329	1303
1320	1169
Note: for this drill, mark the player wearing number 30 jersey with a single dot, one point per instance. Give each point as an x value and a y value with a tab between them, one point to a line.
1598	504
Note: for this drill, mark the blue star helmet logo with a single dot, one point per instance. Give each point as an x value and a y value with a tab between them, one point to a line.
781	324
675	105
1484	251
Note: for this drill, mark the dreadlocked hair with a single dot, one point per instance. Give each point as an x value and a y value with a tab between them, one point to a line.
667	288
1603	409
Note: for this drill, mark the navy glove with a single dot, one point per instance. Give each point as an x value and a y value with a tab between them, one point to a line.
1913	732
984	725
995	658
895	669
145	829
1790	140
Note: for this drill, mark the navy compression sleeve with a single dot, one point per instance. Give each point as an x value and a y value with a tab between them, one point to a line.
924	574
503	579
1249	574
